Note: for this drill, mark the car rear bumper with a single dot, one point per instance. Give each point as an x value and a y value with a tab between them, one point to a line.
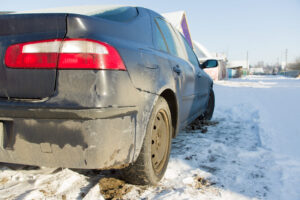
96	138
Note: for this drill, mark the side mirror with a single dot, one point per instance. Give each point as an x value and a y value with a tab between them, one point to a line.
209	64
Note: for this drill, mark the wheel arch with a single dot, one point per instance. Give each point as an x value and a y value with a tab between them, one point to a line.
171	99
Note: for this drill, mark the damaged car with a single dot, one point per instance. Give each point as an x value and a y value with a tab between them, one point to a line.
97	88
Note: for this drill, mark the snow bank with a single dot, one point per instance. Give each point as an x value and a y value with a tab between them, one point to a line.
276	100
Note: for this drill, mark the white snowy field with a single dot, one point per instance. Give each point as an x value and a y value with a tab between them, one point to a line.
249	150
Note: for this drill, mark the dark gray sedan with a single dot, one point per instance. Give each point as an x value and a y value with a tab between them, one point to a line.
104	89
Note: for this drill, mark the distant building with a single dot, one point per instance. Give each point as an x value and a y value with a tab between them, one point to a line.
237	68
256	71
238	63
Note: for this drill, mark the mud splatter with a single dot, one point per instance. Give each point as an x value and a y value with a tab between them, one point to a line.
112	188
201	183
201	125
3	180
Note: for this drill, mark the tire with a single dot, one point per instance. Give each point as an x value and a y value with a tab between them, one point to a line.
153	159
207	115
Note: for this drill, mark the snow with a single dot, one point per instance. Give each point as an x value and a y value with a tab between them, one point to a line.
249	151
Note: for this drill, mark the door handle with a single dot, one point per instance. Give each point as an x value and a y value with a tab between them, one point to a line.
177	70
199	74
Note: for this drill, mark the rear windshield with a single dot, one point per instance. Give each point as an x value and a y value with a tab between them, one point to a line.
120	14
115	13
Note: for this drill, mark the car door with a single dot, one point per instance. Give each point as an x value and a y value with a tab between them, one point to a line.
202	87
182	72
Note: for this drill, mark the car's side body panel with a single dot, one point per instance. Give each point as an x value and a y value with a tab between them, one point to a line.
192	85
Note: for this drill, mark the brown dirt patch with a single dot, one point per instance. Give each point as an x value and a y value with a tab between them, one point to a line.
64	197
201	183
112	188
44	192
3	180
201	125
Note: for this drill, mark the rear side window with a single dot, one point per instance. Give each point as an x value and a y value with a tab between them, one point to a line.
120	14
175	46
159	40
167	32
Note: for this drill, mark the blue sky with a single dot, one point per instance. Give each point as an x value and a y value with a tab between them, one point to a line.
264	28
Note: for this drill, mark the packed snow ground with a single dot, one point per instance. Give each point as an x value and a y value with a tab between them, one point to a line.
250	150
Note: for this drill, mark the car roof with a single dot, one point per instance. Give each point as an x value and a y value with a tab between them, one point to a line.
88	10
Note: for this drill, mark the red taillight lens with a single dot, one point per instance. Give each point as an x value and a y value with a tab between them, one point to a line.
66	54
33	54
89	54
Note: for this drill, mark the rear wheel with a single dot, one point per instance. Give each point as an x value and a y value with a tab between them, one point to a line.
153	159
210	107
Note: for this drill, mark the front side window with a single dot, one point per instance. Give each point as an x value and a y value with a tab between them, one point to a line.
198	52
190	53
179	44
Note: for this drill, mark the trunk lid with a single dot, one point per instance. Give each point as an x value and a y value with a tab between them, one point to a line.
21	28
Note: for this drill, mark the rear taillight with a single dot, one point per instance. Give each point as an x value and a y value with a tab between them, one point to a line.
64	54
33	54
